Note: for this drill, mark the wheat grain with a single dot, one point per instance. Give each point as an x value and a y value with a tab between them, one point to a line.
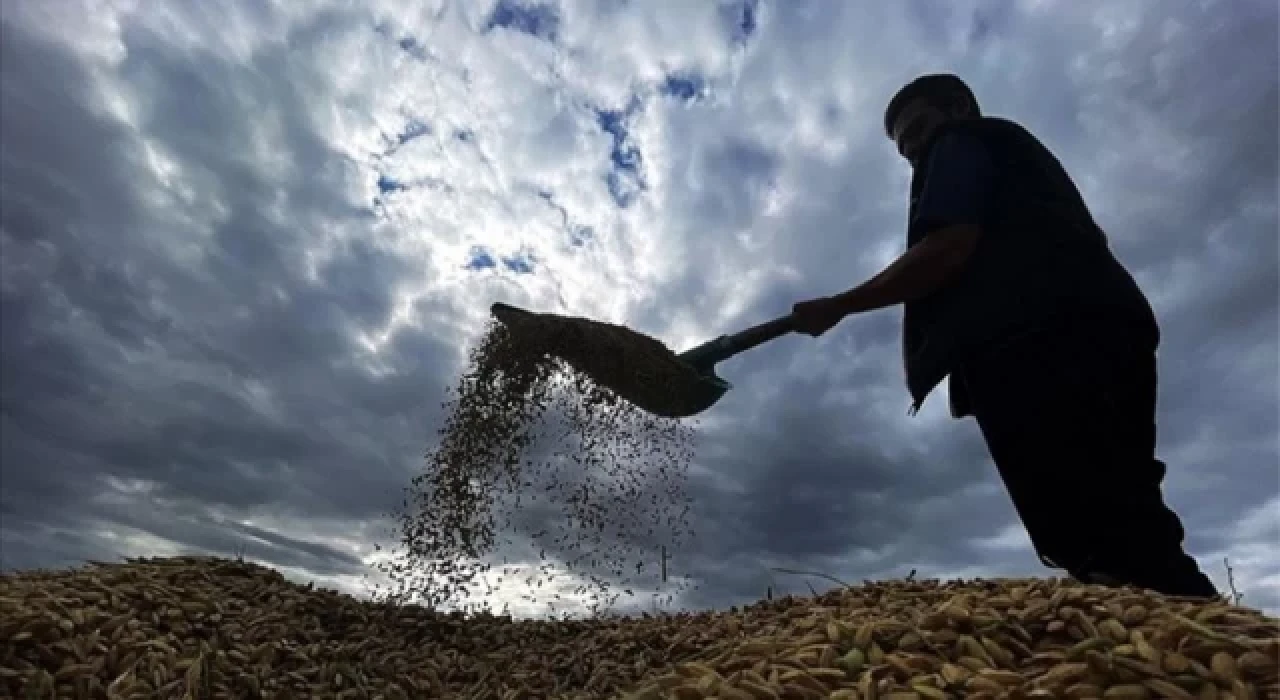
1037	639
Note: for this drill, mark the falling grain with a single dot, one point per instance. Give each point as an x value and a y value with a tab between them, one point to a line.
538	448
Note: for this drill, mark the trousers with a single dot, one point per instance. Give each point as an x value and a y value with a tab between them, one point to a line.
1068	415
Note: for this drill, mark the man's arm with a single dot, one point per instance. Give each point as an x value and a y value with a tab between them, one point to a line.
923	269
952	209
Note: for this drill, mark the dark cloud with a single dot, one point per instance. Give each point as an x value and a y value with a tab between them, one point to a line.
211	342
217	358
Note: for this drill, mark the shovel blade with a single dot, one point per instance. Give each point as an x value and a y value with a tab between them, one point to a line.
710	391
688	389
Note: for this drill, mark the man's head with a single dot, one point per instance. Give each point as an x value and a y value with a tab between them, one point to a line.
924	104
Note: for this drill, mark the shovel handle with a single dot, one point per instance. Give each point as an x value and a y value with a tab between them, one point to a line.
705	356
760	334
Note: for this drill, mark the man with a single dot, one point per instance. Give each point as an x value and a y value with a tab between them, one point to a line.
1011	291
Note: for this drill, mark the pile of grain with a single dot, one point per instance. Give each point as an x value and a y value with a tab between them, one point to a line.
537	454
203	628
985	640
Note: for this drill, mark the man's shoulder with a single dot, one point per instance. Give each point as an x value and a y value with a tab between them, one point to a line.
1010	144
995	130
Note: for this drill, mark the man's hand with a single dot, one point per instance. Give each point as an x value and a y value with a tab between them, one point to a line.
817	316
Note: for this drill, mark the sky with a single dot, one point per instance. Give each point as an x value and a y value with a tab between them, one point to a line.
246	247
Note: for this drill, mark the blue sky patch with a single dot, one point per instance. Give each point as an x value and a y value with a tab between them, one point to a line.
388	184
740	20
624	180
542	21
686	87
412	130
520	263
480	260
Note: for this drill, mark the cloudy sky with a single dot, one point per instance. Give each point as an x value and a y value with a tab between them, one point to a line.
246	247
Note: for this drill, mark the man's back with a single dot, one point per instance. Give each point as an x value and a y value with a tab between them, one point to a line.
1042	260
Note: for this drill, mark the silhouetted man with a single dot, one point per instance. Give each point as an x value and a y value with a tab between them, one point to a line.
1011	290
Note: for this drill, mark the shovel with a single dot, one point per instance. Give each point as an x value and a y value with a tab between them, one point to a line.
687	383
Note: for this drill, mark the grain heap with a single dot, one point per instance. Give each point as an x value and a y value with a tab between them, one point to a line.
203	628
985	640
536	453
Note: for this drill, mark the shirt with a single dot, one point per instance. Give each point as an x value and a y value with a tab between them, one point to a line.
959	183
1040	260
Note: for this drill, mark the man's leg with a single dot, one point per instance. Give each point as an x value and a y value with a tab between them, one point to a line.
1069	419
